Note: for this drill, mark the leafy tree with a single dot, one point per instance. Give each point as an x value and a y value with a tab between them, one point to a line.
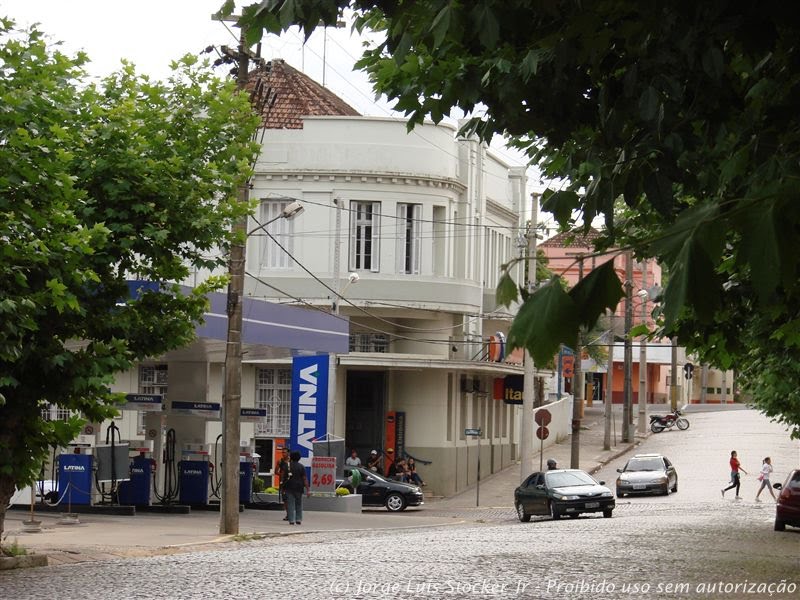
128	179
685	110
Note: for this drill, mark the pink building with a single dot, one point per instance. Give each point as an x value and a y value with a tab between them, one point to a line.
572	256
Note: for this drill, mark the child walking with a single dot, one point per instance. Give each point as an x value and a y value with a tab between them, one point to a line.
736	466
763	477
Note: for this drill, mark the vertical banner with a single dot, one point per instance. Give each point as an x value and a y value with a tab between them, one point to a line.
309	415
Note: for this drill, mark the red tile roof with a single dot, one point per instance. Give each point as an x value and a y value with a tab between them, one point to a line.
297	96
572	239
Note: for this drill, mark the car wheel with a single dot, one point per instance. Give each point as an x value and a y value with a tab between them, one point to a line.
619	494
395	502
683	424
665	491
573	516
523	516
779	525
607	513
675	487
554	511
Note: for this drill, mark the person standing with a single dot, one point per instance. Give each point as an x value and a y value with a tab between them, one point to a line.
353	460
736	466
296	483
282	471
763	477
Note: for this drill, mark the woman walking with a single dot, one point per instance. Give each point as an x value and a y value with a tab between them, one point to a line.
763	477
736	466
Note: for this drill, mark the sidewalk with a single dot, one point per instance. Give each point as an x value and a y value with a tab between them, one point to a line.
100	537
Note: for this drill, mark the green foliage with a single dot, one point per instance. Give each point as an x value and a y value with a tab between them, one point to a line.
13	549
101	183
684	110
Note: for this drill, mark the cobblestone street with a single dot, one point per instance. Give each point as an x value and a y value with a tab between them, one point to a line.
688	544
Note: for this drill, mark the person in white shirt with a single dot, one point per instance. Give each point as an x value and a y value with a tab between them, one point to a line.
766	470
353	460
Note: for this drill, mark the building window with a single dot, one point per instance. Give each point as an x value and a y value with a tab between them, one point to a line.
364	232
274	393
408	238
369	342
275	252
153	379
51	412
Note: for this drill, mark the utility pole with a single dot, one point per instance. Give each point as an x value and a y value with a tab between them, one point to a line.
643	297
673	392
628	364
577	392
607	408
529	382
232	395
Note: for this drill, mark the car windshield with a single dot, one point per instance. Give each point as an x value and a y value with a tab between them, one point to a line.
568	478
365	473
651	463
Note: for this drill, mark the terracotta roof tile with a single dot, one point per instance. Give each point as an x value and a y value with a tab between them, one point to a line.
572	239
297	96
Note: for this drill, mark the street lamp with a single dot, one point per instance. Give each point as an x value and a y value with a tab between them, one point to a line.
232	405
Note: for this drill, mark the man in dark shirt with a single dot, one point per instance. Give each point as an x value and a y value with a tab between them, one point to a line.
282	471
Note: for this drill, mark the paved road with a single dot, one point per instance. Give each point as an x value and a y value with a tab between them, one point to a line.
690	544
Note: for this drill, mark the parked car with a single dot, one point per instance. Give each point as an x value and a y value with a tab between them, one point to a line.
647	474
376	490
562	492
787	509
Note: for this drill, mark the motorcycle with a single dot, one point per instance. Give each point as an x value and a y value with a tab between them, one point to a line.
659	423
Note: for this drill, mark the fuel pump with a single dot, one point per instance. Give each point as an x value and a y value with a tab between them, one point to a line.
194	470
247	469
136	491
75	476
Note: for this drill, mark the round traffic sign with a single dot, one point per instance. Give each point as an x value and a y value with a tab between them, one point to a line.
543	417
542	433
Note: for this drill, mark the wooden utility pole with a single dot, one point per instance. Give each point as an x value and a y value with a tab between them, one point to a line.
627	413
232	395
577	392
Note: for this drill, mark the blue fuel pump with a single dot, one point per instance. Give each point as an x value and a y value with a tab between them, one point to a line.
193	475
245	479
75	478
136	491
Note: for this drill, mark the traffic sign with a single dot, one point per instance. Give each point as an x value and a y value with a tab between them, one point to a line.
543	417
542	433
688	369
472	431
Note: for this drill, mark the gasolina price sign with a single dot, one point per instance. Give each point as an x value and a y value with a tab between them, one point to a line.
323	474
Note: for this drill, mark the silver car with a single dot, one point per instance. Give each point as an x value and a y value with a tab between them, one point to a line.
647	474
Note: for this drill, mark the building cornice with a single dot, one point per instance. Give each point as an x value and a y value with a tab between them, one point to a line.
338	177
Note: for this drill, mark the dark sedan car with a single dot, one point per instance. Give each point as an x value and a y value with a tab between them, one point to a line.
562	492
787	509
376	490
647	474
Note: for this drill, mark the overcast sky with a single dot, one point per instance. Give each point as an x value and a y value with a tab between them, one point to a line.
151	33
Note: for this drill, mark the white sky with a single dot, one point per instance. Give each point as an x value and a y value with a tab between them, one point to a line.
151	33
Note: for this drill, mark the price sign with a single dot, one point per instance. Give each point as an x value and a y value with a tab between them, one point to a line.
323	474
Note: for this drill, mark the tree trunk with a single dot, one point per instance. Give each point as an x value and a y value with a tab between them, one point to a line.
7	488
